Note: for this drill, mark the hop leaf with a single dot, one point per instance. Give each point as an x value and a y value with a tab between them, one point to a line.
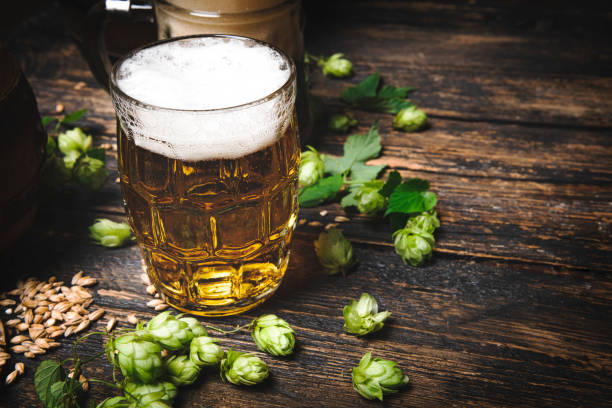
242	368
362	317
169	331
145	394
109	233
311	167
137	355
334	251
375	377
204	351
180	370
410	119
341	123
273	335
336	66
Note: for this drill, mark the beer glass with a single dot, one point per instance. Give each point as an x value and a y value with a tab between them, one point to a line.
210	188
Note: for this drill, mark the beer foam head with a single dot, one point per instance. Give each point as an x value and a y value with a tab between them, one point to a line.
204	97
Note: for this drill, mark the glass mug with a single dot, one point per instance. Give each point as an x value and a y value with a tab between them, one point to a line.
276	22
210	192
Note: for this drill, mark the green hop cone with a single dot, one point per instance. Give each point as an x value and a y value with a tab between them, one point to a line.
242	368
369	200
413	244
114	402
334	251
169	331
204	351
336	66
74	140
410	119
341	123
426	222
109	233
145	394
137	355
362	317
273	335
71	158
375	377
194	325
90	173
180	370
312	167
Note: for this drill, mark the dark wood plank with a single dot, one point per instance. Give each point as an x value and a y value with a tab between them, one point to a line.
512	311
487	333
482	64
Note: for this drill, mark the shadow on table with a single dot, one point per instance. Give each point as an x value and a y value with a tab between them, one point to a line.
304	269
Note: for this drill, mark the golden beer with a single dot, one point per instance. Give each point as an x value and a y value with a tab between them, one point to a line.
215	232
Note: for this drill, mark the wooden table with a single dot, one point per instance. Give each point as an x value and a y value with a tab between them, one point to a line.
513	310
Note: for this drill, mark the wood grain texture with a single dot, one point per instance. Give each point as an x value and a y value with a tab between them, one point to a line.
514	308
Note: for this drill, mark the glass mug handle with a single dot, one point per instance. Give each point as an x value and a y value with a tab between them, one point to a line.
94	42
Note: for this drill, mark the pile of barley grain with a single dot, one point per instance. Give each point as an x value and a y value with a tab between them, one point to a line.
44	311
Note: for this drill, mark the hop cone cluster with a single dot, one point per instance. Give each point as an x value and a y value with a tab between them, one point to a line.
414	243
150	381
376	377
273	335
362	317
243	368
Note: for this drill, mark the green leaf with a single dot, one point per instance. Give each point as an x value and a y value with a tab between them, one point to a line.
406	200
58	392
333	165
47	374
362	172
350	200
323	190
415	184
394	180
46	120
398	220
365	89
97	153
359	148
388	99
74	116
